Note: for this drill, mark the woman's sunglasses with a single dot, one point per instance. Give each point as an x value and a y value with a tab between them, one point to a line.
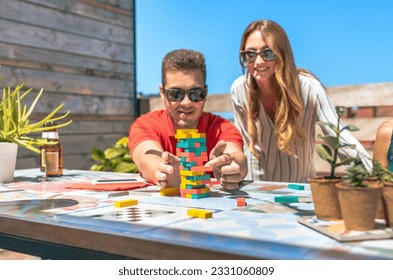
177	95
250	56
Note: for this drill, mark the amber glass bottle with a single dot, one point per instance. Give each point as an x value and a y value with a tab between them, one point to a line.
53	154
42	151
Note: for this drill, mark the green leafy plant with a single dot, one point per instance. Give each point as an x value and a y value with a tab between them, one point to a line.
357	175
115	158
331	145
15	124
380	173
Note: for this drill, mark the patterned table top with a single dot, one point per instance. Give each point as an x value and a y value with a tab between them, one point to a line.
261	229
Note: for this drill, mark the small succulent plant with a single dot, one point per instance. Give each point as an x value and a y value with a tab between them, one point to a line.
15	124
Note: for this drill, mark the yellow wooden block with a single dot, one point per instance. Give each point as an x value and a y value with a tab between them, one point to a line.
200	213
191	173
169	191
125	203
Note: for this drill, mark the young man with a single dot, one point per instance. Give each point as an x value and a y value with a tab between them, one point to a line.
152	140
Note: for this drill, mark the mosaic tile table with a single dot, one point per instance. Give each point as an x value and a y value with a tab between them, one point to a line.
52	219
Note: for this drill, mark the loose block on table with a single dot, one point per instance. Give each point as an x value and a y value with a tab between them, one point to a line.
200	213
169	191
286	198
296	187
125	203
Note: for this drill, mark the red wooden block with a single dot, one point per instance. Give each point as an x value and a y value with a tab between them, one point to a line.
241	201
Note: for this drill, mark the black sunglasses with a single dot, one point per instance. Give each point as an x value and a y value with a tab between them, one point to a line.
177	95
250	56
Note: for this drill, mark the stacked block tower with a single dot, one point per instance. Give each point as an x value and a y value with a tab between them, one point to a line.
191	148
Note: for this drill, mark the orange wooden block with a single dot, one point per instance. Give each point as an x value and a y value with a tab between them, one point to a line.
241	201
201	168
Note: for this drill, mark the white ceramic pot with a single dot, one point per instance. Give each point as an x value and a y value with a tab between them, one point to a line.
8	153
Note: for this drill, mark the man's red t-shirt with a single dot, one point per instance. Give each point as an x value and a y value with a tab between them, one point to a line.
157	126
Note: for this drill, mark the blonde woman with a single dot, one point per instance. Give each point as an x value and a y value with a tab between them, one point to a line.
277	106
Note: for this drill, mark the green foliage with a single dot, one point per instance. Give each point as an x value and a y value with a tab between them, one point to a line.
380	173
15	125
115	158
331	145
357	175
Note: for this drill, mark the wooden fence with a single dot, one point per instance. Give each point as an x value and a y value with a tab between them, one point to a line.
82	52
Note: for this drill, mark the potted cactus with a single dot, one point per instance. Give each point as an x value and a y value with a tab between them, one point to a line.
16	128
323	187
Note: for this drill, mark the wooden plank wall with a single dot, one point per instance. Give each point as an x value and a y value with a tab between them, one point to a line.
82	52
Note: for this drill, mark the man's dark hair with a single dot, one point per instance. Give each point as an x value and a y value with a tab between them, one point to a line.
182	60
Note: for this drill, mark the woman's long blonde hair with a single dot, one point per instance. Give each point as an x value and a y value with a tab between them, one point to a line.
288	130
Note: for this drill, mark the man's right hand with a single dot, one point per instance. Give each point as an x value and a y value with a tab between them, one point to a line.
168	175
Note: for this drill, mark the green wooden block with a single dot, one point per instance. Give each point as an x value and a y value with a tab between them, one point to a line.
287	198
296	187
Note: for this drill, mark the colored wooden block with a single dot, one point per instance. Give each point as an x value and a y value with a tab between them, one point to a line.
199	177
180	135
125	203
195	196
193	140
190	135
191	173
241	201
169	191
286	198
200	213
187	164
198	151
186	130
195	183
296	187
198	159
187	186
184	145
185	154
202	168
195	191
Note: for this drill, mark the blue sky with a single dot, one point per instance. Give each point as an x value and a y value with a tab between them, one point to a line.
343	42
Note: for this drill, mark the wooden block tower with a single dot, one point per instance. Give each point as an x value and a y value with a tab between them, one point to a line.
191	148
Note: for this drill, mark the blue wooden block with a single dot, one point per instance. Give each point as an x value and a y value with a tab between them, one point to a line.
296	187
286	198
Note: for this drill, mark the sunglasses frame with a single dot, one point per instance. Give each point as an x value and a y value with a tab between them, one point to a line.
261	53
186	92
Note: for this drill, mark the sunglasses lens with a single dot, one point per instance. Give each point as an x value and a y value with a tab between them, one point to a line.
197	95
268	55
174	95
177	95
250	56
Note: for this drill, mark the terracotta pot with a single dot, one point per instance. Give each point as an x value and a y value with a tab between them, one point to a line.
324	195
359	205
387	198
380	208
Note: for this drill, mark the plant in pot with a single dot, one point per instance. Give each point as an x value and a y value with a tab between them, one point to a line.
385	177
323	187
359	196
16	128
